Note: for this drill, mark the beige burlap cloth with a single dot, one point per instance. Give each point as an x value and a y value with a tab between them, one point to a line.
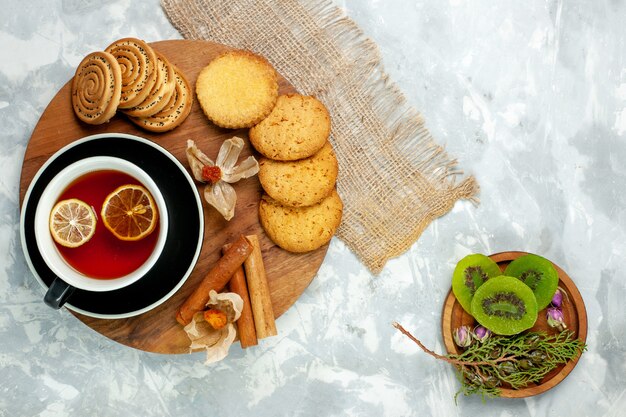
394	179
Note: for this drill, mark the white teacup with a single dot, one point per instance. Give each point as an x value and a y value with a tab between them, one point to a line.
69	278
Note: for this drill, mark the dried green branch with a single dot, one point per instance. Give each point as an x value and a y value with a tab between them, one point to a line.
516	361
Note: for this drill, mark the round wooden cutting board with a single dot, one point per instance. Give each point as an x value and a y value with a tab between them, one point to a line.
157	330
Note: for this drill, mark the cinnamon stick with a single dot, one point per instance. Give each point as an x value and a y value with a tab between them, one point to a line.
215	279
245	323
259	291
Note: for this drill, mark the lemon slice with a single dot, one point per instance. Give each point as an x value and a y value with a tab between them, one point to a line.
130	212
72	223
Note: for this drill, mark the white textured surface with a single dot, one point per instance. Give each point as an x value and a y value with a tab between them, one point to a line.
530	96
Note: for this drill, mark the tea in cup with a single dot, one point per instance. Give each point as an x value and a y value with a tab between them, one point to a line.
129	234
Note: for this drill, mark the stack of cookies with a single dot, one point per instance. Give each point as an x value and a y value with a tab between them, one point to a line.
132	77
301	210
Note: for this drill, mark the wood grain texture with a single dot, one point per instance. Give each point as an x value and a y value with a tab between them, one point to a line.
574	312
157	330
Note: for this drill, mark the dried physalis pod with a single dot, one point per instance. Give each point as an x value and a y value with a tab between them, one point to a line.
138	63
96	88
220	174
214	335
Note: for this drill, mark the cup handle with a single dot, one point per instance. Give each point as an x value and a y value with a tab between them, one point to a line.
58	293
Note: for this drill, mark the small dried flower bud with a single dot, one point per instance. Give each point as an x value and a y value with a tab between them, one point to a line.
216	318
491	382
495	353
557	299
507	368
472	378
537	357
555	319
481	333
462	336
524	364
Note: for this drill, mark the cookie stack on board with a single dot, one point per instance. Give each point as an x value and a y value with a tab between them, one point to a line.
301	209
131	77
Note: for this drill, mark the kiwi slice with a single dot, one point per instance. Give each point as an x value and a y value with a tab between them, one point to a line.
470	273
538	273
505	305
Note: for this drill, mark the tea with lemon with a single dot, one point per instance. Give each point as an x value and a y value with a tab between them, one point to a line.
105	255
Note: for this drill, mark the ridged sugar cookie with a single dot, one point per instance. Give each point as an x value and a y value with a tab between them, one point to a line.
237	89
96	88
301	229
297	127
161	92
138	63
303	182
174	113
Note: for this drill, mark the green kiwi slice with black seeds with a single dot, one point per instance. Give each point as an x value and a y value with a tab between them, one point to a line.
538	273
470	273
505	305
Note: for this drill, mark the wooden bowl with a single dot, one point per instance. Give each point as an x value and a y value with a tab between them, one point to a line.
574	314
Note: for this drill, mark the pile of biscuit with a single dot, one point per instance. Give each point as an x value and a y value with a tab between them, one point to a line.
132	77
301	209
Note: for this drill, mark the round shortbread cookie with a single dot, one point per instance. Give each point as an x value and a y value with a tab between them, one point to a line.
301	229
297	127
174	113
138	63
237	89
300	183
161	92
96	88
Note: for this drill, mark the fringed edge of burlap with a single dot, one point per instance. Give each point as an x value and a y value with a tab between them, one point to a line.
409	133
400	126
